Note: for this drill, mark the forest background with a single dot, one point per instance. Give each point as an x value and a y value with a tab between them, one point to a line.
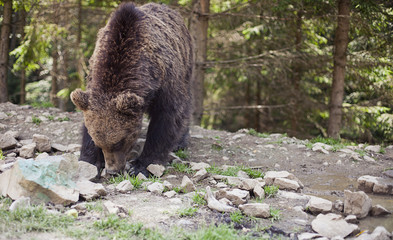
303	67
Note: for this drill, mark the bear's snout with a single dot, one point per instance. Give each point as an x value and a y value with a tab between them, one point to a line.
115	162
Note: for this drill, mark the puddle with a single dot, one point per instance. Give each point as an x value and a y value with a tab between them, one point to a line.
332	186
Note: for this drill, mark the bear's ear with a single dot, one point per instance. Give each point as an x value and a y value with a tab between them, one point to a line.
128	103
80	99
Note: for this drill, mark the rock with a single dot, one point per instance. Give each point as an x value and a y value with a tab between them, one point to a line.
156	169
170	194
214	204
198	166
86	171
238	136
59	147
124	186
242	174
293	196
308	236
319	205
338	205
7	141
89	190
167	185
284	183
187	185
74	147
323	146
6	166
72	213
356	203
351	219
373	184
388	173
270	176
332	225
368	159
141	176
27	151
22	202
258	191
42	143
379	233
225	201
236	196
242	183
221	185
200	175
42	156
112	208
3	116
373	148
261	210
48	180
378	210
156	188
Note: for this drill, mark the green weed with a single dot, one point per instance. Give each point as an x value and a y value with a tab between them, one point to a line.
36	120
187	212
253	132
42	104
64	119
220	232
232	171
236	216
182	168
183	154
1	155
270	191
136	182
50	118
199	199
95	206
275	214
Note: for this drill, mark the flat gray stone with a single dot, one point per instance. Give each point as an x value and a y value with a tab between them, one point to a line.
86	171
260	210
59	147
198	166
89	190
187	185
124	186
236	196
156	169
332	225
378	210
319	205
156	188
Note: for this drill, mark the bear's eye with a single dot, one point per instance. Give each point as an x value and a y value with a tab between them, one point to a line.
118	145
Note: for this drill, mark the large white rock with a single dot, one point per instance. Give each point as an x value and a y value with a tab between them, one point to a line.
27	151
319	205
86	171
332	225
200	175
373	148
373	184
261	210
357	203
46	180
156	188
287	184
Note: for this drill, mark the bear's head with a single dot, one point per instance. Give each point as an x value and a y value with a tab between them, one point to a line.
113	122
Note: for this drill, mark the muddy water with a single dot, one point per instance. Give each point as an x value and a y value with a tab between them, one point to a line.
332	187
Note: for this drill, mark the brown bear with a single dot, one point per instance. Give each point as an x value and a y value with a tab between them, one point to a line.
142	63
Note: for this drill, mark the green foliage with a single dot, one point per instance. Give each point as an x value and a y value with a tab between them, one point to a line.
63	119
187	212
270	191
183	154
232	171
236	216
1	155
42	104
95	206
220	232
335	143
182	168
136	182
252	132
199	199
36	120
275	214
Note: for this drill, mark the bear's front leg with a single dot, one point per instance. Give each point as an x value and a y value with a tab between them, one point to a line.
91	153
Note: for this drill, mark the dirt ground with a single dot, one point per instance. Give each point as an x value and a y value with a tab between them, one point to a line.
324	175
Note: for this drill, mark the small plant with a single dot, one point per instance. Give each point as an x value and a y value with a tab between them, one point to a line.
50	118
178	189
236	216
187	212
154	179
136	182
42	104
95	206
217	147
36	120
1	155
275	214
199	199
270	191
361	152
183	154
252	132
382	150
183	168
63	119
253	173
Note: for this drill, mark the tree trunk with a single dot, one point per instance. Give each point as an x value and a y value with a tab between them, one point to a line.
23	71
54	73
81	73
198	30
4	49
341	41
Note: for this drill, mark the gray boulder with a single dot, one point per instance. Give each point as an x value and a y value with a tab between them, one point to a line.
260	210
357	203
42	143
332	225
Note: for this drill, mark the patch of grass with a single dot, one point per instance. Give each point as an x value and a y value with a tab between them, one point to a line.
183	154
1	155
32	219
42	104
182	168
382	150
36	120
187	212
178	189
5	202
253	132
361	152
136	182
63	119
275	214
199	199
154	179
236	216
50	118
270	191
217	146
95	206
220	232
232	171
337	144
253	173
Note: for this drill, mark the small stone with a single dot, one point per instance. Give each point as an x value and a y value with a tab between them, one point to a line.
214	204
368	159
141	176
22	202
198	166
7	141
259	192
86	171
260	210
236	196
156	169
112	208
225	201
200	175
42	156
170	194
42	143
325	164
287	184
351	219
74	147
124	186
378	210
323	145
338	205
242	174
319	205
3	116
59	147
320	149
221	185
72	213
27	151
373	148
379	233
332	225
11	154
167	185
89	190
388	173
238	136
156	188
187	185
356	203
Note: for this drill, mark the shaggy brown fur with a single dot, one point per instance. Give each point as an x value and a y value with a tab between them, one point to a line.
142	63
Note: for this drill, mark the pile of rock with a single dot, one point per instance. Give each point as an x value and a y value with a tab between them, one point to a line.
378	185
